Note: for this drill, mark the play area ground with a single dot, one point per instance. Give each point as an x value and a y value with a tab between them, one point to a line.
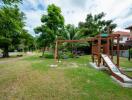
32	78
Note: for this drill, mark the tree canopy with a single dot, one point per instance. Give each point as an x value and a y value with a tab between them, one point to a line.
94	24
11	1
12	32
52	23
11	26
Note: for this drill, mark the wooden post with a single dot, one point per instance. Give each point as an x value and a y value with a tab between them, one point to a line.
129	54
108	46
112	49
99	47
118	51
56	51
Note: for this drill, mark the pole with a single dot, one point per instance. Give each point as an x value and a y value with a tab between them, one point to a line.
112	49
99	51
108	46
118	51
129	54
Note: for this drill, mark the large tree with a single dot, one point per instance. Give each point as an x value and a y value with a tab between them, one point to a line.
52	23
94	24
11	26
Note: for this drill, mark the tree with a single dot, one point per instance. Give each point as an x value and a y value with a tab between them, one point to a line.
11	26
93	25
27	41
52	23
70	32
44	39
11	1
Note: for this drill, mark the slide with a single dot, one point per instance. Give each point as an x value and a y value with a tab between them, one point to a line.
116	72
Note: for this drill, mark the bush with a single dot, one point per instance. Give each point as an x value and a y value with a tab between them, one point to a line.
49	55
66	55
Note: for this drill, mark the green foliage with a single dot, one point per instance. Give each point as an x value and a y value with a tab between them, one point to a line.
49	55
70	32
66	55
52	23
131	51
27	41
93	25
11	1
11	27
53	20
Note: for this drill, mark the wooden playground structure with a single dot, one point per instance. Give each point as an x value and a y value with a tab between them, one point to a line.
97	46
104	44
102	55
59	42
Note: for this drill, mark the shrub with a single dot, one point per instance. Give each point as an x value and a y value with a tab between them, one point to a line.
49	55
66	55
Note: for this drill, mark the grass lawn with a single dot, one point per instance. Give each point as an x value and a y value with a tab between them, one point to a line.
124	63
32	78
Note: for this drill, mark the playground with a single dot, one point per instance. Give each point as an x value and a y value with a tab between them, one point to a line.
100	75
95	76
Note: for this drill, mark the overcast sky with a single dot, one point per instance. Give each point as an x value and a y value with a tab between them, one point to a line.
74	11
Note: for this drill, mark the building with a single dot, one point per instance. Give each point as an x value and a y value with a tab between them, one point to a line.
124	36
129	43
130	28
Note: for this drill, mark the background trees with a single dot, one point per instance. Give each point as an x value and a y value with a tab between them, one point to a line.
14	36
53	28
27	42
12	33
70	32
94	24
11	26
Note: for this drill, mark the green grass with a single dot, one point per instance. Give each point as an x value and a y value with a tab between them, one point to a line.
124	62
32	78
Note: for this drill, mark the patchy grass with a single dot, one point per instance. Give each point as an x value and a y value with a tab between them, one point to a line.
124	62
31	78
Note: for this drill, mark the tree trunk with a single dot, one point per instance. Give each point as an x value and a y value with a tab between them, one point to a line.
5	52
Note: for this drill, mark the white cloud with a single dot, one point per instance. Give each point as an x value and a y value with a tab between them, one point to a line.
75	11
112	8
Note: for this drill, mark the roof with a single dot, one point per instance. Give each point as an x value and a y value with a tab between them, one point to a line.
130	27
122	33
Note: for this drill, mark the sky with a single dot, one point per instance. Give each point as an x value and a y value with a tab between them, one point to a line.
74	11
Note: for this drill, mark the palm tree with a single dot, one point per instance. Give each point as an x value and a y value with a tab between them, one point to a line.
70	32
